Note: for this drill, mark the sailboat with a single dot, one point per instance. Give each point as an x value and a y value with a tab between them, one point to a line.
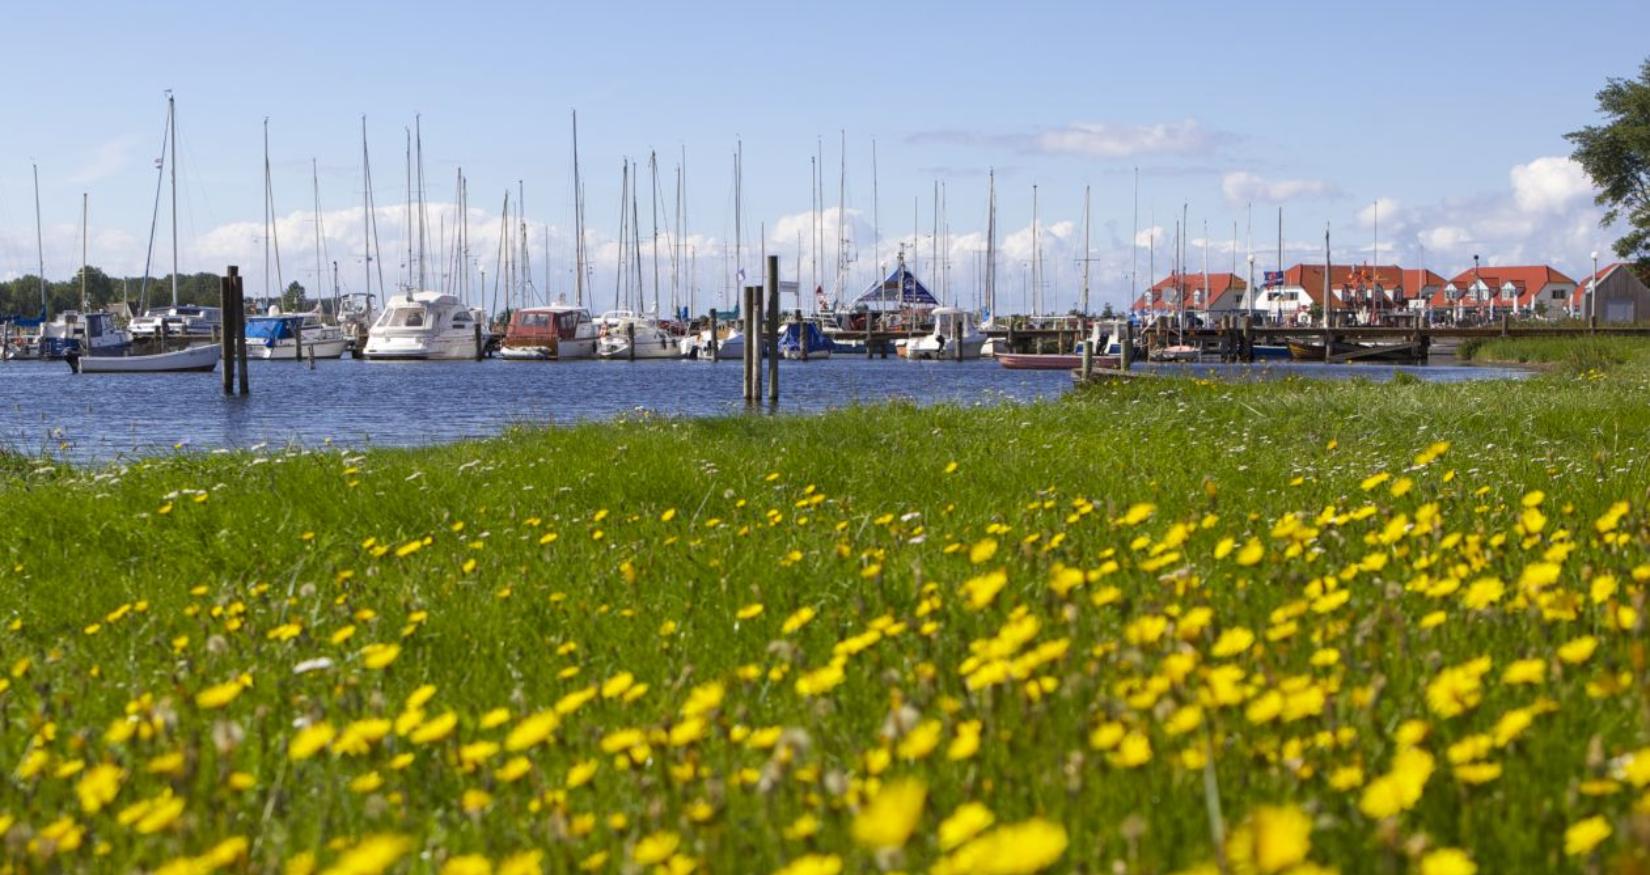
559	332
626	334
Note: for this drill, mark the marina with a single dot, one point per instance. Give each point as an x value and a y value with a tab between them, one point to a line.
46	409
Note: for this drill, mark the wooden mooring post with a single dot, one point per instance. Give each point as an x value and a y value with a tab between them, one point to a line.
714	344
238	332
771	335
226	306
1125	352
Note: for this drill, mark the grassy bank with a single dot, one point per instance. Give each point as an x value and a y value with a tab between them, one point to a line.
1355	625
1576	355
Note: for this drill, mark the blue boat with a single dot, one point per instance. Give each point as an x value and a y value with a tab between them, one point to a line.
799	340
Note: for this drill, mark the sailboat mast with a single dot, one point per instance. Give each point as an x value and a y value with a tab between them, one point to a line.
423	216
991	244
366	211
653	174
84	214
1088	251
624	219
315	183
738	200
172	123
578	218
1134	244
40	245
267	222
407	229
1036	258
841	213
876	223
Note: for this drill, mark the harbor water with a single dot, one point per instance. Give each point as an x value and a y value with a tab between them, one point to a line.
47	410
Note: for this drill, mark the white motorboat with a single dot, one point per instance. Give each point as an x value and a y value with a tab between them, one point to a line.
953	327
195	358
731	345
425	325
628	335
278	336
558	332
180	322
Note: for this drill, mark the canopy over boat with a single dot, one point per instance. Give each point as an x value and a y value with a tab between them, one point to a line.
899	290
269	329
793	337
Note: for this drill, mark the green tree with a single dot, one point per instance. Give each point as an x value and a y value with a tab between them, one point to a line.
1616	154
293	300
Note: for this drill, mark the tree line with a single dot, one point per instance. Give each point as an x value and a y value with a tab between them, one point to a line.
21	296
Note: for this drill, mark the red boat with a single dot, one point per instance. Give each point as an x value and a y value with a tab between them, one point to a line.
1016	361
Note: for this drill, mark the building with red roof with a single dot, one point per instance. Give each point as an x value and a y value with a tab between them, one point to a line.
1366	289
1488	291
1221	292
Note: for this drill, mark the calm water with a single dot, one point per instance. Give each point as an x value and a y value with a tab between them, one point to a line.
44	408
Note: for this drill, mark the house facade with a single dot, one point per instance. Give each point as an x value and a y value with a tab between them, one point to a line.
1489	292
1212	294
1362	292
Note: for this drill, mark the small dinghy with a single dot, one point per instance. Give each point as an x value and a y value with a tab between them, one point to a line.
195	358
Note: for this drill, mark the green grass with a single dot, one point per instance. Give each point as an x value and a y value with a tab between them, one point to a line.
1577	355
853	514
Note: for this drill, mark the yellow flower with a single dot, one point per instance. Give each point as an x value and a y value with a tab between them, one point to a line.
797	620
982	551
98	786
656	848
1448	861
1524	671
968	821
1253	551
379	656
218	695
1135	749
1578	650
309	740
1274	838
1232	642
581	773
920	741
889	818
1584	835
434	730
531	731
1015	849
370	856
750	612
523	863
467	864
814	864
1137	514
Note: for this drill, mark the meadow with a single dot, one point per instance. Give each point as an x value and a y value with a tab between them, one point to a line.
1163	626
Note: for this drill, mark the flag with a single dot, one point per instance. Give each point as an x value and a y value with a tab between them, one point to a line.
1273	278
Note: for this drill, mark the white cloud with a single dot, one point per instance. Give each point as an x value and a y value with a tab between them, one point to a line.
1242	186
1549	184
1109	140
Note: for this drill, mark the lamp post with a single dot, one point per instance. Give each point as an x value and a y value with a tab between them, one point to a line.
1592	287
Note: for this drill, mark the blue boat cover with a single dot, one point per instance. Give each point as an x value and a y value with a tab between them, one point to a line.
791	338
270	329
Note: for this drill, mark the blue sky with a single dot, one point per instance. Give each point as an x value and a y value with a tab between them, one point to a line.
1450	114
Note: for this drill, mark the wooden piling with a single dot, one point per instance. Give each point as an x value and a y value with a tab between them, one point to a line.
753	333
630	337
1249	338
801	336
1125	353
714	344
480	347
772	334
298	340
1088	353
868	321
239	332
226	320
1328	345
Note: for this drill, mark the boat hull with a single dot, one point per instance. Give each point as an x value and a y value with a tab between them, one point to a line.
1313	352
194	359
330	348
420	348
1051	361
